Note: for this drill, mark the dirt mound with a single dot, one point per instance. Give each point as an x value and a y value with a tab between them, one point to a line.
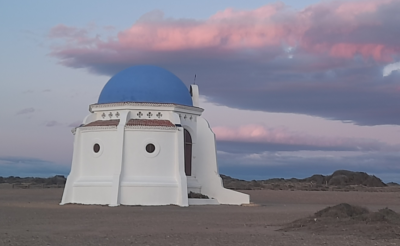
57	181
383	215
344	177
238	184
353	220
341	180
341	211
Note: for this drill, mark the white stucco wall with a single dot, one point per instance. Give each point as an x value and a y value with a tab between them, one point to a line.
151	178
206	168
97	164
91	177
123	172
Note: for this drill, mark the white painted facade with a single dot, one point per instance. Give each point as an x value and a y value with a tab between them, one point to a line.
124	172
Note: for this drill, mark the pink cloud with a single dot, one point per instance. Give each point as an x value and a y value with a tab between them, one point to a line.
325	60
260	134
333	28
349	9
228	29
347	21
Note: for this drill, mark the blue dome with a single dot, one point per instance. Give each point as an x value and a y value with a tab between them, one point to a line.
145	83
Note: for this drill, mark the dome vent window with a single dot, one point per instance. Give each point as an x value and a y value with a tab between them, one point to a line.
150	148
96	148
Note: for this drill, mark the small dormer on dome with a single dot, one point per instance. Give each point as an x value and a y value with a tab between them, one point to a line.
145	83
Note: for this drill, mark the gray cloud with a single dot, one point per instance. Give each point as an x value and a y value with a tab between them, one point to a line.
335	72
257	147
292	164
30	167
52	123
75	123
26	111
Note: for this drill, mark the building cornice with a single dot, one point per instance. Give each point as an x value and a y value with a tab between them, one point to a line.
96	128
151	128
141	105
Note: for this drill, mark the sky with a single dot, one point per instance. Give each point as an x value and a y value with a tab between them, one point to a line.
290	88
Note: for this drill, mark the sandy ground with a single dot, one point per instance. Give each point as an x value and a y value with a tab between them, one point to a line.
33	217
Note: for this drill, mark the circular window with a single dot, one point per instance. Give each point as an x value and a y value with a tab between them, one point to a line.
96	148
150	148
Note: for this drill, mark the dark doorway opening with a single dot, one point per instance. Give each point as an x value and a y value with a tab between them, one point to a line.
188	152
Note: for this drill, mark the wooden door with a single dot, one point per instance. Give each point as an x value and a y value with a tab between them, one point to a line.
188	153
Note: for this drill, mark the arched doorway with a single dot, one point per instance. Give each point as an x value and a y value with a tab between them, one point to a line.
188	152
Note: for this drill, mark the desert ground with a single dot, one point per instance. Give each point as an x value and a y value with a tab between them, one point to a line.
33	217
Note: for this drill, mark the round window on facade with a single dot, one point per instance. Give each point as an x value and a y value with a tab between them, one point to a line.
150	148
96	148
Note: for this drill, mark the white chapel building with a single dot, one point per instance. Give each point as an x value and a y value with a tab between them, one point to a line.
146	143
